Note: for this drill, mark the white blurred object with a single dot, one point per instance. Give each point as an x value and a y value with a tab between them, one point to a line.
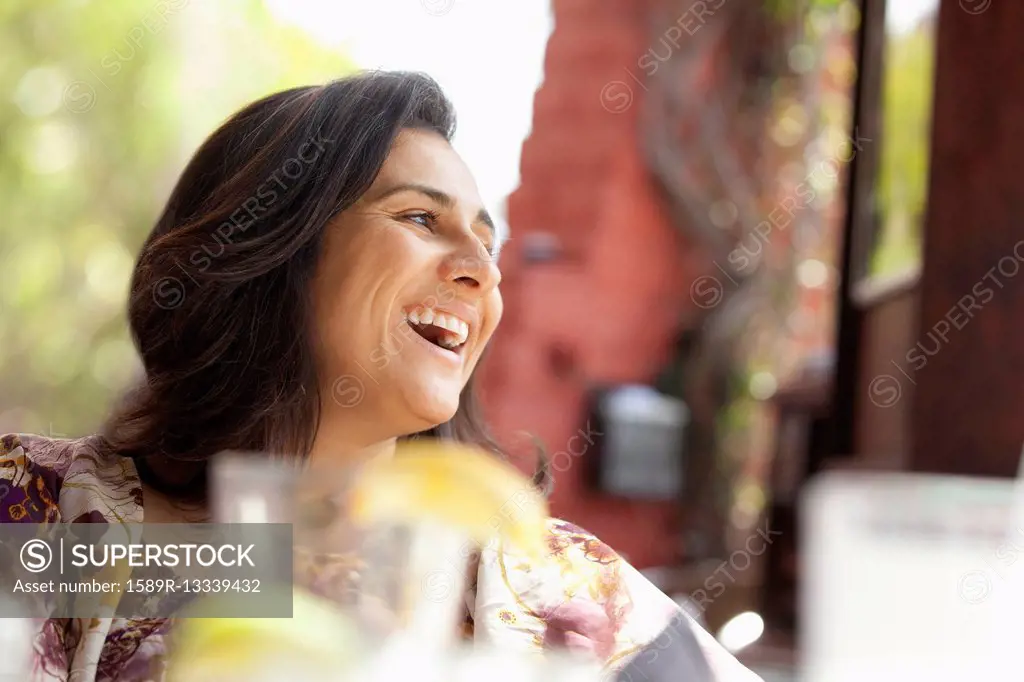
436	578
16	635
252	488
910	577
407	657
741	631
1008	605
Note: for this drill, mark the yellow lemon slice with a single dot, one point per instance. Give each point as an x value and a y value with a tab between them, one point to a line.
456	485
318	640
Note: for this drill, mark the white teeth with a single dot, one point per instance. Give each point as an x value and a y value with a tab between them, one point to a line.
450	341
448	322
457	331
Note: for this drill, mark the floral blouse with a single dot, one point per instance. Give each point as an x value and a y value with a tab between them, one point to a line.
588	599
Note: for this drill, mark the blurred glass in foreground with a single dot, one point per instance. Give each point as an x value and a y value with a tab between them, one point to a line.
371	544
16	636
910	577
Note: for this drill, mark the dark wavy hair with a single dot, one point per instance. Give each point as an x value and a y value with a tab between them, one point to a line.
219	306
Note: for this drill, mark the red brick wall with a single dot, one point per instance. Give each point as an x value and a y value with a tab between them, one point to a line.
613	302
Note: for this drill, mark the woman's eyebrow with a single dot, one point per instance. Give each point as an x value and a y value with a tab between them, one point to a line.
441	198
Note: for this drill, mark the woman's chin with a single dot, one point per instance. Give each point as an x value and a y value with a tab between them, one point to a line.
436	415
436	410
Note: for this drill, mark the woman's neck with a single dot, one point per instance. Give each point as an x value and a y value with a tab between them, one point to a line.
339	443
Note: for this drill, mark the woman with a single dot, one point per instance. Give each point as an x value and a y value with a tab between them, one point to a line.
322	280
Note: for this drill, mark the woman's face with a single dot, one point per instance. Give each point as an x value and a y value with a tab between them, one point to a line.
406	292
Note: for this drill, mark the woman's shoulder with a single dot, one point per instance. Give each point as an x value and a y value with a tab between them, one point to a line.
32	471
52	453
593	571
53	479
566	540
586	596
581	596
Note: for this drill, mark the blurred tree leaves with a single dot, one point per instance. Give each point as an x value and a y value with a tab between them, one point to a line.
901	191
105	102
787	9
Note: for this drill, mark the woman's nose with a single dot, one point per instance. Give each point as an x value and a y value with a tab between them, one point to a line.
472	266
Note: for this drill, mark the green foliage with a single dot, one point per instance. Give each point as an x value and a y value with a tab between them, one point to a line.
901	191
787	9
105	102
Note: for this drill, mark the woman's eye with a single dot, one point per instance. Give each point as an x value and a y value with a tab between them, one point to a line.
424	218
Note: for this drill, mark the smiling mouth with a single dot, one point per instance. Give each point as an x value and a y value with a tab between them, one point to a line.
444	330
